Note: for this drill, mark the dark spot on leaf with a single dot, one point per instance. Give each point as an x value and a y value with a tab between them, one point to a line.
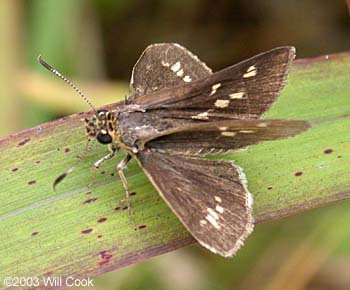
132	193
125	207
89	192
23	142
298	173
103	172
105	255
142	227
32	182
328	151
35	233
90	200
66	150
37	162
269	188
87	231
117	208
112	174
99	236
14	169
339	156
101	220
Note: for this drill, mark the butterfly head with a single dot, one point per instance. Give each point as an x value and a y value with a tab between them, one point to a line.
102	126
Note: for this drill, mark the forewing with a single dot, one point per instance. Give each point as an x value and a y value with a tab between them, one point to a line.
165	65
223	136
209	197
243	91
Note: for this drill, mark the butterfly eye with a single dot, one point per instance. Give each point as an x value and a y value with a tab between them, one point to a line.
104	138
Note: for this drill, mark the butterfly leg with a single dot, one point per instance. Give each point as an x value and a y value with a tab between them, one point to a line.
98	163
120	168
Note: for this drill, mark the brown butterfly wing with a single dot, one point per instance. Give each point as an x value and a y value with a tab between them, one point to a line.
243	91
165	65
209	197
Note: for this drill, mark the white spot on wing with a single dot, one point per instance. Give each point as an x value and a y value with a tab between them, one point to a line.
201	116
143	127
250	74
246	131
262	125
223	128
166	64
180	73
213	213
219	209
228	134
217	198
214	88
203	222
251	71
236	95
222	103
187	79
213	221
199	151
175	67
251	68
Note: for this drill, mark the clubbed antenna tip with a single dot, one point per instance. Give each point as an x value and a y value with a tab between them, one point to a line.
44	64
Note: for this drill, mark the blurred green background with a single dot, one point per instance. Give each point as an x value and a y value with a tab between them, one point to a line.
96	42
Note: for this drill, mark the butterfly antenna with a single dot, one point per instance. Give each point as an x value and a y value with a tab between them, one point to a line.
70	169
57	73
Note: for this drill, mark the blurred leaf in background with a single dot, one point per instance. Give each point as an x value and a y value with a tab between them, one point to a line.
95	43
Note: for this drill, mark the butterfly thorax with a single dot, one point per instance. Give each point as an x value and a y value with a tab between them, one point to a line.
135	128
